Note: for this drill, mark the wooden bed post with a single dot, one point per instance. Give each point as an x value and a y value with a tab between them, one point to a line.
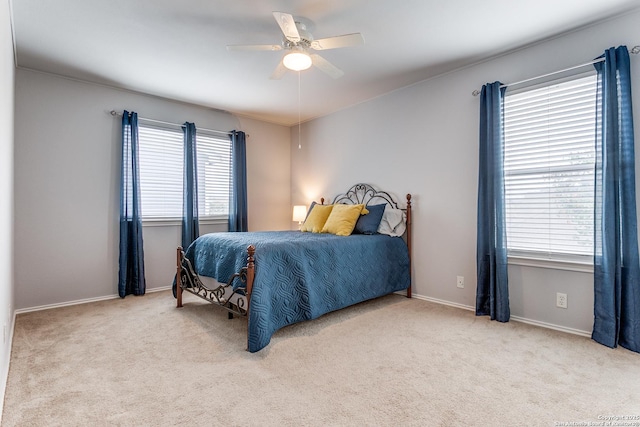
178	274
251	272
409	240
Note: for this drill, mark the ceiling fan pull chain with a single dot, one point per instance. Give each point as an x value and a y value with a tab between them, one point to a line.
299	135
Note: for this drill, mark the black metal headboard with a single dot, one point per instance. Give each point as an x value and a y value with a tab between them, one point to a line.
364	194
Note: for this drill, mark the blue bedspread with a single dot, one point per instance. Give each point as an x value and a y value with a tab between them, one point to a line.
301	276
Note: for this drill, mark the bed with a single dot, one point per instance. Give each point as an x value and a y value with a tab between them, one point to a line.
278	278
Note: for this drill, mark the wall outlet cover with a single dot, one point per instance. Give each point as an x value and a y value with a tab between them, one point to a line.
561	300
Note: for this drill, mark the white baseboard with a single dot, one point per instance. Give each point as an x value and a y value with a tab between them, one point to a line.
82	301
514	318
5	374
552	326
444	302
416	296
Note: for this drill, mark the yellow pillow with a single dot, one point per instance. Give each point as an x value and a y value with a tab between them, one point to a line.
316	219
343	218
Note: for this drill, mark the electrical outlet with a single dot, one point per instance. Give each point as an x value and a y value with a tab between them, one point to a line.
460	282
561	300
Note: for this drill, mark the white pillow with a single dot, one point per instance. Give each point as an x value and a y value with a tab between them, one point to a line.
393	222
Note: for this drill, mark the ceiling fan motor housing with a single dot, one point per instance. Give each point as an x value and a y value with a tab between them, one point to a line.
305	38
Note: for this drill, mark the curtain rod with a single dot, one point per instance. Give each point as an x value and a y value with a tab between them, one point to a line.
115	113
635	51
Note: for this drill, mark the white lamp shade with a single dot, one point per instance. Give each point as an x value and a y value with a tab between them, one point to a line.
297	61
299	213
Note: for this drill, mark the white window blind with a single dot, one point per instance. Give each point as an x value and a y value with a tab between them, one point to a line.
161	159
161	169
549	170
214	162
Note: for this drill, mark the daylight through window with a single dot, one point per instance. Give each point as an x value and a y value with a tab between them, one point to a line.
161	173
549	170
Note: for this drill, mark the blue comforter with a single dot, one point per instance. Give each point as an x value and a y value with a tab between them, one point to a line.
301	276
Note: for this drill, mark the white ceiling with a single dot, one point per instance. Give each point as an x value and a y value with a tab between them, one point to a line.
177	49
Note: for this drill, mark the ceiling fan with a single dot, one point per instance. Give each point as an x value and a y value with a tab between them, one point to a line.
298	41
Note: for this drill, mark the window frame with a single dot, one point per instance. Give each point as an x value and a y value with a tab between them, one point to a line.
159	221
541	259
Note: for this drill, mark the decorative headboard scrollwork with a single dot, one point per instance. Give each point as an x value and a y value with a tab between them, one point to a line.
364	194
367	195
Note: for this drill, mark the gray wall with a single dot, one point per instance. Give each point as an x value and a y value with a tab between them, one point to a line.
423	140
67	166
7	68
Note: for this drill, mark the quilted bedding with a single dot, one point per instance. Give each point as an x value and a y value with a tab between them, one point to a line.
301	276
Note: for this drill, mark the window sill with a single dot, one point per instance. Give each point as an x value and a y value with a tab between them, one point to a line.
173	222
582	267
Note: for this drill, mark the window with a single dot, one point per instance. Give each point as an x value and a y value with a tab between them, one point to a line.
214	175
549	165
161	170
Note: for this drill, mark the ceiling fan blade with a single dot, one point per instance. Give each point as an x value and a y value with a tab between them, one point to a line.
288	26
270	47
278	72
326	66
346	40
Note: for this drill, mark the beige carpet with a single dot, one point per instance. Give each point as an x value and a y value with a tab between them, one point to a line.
392	361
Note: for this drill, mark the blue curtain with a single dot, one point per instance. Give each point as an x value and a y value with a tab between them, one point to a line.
131	264
238	193
190	222
616	264
492	293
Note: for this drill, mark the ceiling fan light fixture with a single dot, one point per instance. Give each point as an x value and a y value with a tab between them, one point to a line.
297	61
